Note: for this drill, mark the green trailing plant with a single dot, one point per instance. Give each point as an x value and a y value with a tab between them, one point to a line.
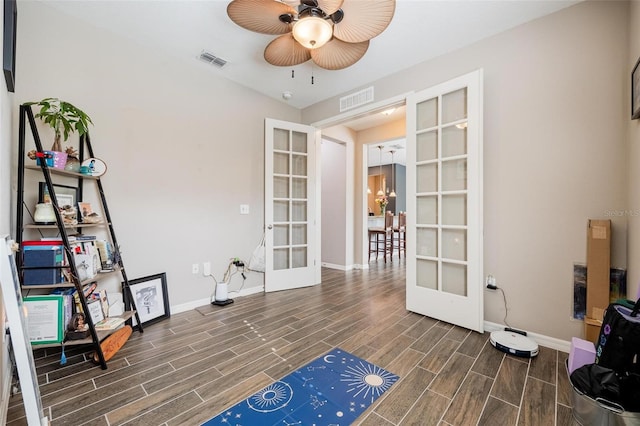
63	117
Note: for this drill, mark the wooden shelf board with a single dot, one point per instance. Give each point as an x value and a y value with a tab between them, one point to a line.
62	172
102	334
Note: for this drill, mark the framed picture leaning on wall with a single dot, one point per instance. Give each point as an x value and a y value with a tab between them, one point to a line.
635	91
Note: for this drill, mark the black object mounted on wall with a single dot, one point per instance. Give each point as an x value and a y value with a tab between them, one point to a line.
635	91
9	43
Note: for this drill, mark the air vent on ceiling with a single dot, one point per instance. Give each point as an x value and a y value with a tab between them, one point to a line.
356	99
212	59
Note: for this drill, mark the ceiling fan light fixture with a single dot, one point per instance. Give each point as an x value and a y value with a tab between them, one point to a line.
312	32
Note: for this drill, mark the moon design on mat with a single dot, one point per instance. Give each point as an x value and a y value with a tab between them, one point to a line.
367	381
326	359
274	397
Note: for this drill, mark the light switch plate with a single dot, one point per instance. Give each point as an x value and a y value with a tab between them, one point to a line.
244	208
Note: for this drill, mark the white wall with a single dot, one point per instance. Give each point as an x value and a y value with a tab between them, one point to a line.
556	112
334	204
183	146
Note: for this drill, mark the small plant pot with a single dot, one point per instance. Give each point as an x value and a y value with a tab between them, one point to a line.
73	165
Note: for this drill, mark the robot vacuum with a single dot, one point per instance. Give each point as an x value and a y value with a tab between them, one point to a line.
514	343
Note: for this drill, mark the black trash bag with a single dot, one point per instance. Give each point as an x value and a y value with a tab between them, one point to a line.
618	345
597	381
630	392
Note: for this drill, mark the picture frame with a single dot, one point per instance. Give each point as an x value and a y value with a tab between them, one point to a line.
635	91
151	298
65	195
9	43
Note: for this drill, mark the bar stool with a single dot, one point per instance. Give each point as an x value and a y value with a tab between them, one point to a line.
381	239
399	234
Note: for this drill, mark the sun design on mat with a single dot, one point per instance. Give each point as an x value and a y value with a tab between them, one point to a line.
272	398
367	380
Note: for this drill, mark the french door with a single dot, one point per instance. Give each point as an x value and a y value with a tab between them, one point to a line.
444	202
292	219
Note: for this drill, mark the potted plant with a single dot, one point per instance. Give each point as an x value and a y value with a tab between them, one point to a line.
64	118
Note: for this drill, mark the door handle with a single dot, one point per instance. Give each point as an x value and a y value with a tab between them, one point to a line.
270	227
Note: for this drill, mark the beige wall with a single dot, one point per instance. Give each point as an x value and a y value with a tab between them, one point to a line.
183	150
633	278
555	114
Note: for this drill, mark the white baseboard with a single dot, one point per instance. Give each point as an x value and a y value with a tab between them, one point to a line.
358	266
176	309
338	267
540	339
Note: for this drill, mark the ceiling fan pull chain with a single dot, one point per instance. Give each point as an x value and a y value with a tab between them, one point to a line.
293	73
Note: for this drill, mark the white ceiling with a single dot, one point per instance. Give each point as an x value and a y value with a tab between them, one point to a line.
420	30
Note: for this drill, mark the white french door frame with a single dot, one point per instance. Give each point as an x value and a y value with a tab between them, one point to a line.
426	292
296	273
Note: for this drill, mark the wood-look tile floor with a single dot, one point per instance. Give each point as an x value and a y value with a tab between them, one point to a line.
188	368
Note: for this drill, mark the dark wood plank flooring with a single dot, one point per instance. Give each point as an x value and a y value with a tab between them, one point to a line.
190	367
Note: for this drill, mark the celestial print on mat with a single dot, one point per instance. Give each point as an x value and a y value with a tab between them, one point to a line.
332	390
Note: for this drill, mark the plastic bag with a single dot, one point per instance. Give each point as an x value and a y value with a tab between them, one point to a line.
257	261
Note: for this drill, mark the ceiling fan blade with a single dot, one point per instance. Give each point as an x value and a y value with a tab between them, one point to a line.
363	20
330	6
260	16
285	51
337	54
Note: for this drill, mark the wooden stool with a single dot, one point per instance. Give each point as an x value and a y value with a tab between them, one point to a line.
399	234
381	239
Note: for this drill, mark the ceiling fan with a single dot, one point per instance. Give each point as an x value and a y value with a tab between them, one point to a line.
334	34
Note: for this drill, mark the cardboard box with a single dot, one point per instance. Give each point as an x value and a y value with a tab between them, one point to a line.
41	258
592	329
598	265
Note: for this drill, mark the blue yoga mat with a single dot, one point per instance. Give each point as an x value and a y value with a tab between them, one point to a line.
332	390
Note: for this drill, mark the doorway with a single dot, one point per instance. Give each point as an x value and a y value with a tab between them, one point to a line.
358	131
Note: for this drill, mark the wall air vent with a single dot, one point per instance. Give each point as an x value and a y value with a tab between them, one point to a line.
356	99
212	59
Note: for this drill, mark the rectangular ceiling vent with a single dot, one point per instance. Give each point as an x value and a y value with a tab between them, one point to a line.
212	59
356	99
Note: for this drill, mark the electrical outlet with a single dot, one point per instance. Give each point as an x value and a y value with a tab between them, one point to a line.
195	268
206	269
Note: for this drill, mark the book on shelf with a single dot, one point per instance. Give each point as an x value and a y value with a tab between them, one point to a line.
83	237
109	323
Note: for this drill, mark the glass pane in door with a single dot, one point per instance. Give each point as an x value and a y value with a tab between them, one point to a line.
427	177
427	242
281	140
454	141
454	175
427	146
454	106
427	114
427	210
427	274
454	278
454	244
